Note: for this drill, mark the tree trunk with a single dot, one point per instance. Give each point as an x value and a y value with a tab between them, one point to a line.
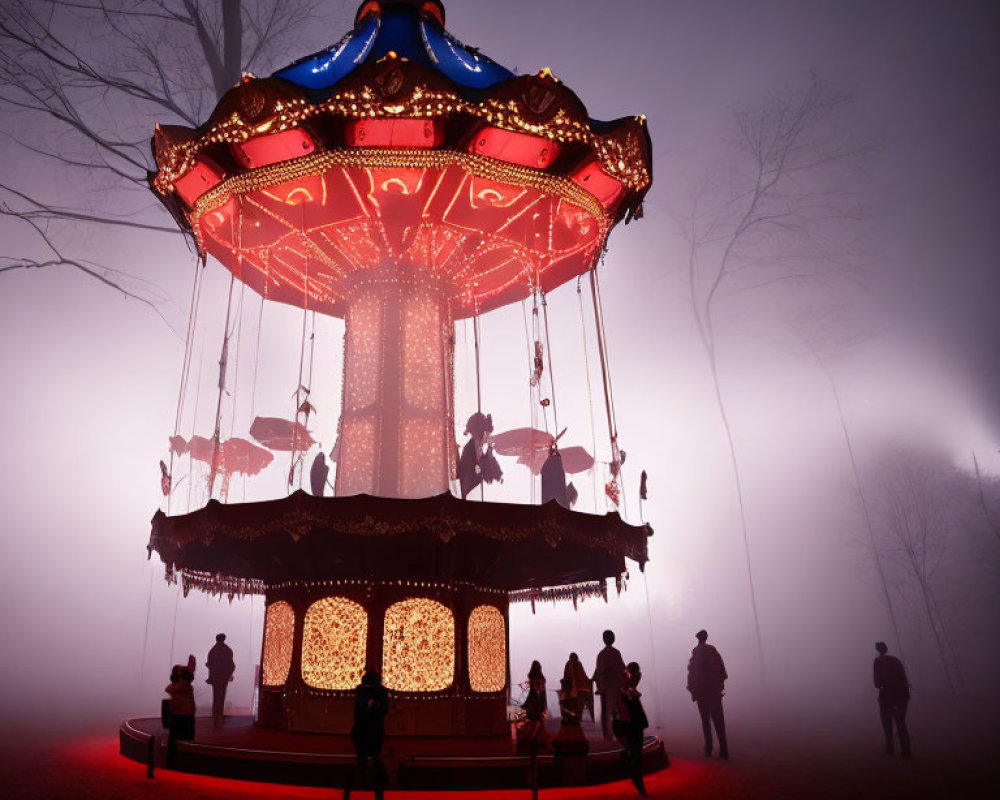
232	44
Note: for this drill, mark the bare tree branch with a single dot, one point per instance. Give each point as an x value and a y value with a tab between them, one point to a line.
83	83
39	210
113	279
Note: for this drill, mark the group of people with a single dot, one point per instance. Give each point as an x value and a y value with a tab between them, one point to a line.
371	703
623	717
180	709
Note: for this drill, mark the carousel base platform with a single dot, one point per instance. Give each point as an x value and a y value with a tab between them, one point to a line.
236	748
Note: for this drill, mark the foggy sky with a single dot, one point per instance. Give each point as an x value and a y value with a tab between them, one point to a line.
90	380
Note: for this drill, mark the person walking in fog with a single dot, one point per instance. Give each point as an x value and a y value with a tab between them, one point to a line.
609	677
707	684
220	672
893	697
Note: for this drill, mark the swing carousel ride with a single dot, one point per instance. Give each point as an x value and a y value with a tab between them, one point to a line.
402	182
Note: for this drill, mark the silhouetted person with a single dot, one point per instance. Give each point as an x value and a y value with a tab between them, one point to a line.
893	697
371	703
707	683
532	735
318	474
220	672
477	464
182	706
609	677
577	685
536	690
630	723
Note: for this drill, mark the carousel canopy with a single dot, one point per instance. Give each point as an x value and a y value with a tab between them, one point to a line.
401	146
301	538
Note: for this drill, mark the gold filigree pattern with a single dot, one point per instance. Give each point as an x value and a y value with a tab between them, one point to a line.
487	644
334	636
418	646
618	158
279	630
387	158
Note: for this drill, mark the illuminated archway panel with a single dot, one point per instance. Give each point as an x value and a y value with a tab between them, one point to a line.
333	644
418	646
487	645
279	629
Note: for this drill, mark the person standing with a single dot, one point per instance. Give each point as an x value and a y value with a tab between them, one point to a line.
182	707
707	684
371	704
609	677
220	672
893	697
531	734
577	685
630	724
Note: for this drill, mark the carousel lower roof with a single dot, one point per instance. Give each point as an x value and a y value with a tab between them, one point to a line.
302	537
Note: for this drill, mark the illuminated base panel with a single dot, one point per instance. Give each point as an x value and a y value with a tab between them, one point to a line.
442	652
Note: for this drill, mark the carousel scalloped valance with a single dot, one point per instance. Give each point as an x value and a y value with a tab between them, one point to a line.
301	537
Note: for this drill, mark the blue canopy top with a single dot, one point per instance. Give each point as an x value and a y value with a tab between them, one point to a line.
403	30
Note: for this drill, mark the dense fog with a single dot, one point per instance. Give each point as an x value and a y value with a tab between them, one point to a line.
854	352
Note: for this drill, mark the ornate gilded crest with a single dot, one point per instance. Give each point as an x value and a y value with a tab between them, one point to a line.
539	99
390	82
253	102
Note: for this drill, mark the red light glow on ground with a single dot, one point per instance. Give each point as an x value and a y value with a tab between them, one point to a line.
92	767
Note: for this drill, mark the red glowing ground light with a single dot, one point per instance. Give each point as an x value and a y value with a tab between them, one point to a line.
91	767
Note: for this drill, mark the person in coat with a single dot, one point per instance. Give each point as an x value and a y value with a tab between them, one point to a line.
609	677
371	704
707	684
182	707
220	666
893	698
630	723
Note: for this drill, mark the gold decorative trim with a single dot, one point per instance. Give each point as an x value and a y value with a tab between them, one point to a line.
621	158
384	158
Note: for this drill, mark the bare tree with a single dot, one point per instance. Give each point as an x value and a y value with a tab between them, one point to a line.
918	508
987	516
82	84
781	211
827	333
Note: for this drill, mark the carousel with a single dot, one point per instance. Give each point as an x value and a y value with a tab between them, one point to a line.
404	183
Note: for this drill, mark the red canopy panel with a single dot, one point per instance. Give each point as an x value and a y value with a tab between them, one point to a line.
302	537
298	234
